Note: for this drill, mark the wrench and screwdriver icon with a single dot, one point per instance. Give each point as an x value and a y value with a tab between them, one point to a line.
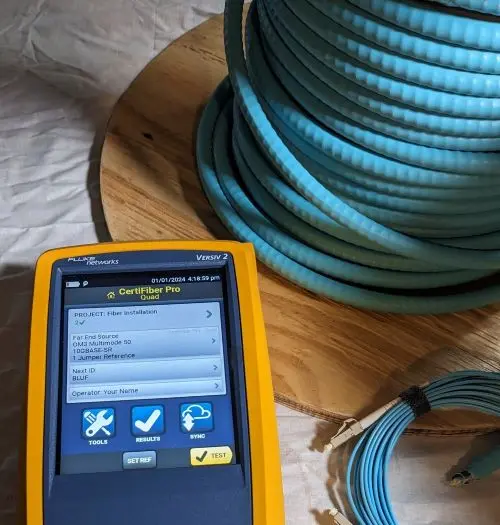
98	422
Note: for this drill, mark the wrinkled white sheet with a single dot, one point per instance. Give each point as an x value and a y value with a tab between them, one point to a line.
62	65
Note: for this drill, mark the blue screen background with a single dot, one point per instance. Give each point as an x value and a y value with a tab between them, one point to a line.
71	439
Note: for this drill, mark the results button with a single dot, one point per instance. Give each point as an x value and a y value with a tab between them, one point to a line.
201	457
136	460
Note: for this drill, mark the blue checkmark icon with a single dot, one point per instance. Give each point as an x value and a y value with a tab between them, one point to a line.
148	420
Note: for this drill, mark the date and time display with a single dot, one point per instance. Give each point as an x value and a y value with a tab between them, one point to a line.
186	279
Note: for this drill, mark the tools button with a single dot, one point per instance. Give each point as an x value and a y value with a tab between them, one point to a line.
98	423
139	460
201	457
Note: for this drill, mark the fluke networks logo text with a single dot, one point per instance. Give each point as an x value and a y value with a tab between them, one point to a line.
93	261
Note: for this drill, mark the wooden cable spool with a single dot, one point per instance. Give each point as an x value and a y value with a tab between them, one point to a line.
328	359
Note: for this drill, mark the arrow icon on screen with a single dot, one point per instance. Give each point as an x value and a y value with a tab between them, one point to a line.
188	422
216	386
215	367
213	340
209	314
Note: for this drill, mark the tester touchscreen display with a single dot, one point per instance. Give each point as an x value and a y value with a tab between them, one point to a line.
145	373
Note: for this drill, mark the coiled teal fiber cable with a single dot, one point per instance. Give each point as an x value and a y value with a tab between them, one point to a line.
367	483
356	145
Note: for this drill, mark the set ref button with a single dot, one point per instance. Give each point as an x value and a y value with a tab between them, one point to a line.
139	460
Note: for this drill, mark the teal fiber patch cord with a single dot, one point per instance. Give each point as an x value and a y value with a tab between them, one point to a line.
367	476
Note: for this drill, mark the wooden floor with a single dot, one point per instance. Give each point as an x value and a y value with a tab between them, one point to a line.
327	359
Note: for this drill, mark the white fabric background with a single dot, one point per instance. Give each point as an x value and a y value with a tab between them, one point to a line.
62	65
